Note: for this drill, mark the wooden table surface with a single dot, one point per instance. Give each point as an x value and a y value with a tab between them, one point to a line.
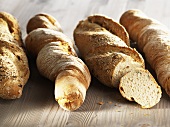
37	106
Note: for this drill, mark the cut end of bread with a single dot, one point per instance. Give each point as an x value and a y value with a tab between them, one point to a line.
71	101
69	92
126	65
141	87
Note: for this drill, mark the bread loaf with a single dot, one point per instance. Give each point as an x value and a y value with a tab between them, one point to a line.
14	69
104	46
57	60
153	39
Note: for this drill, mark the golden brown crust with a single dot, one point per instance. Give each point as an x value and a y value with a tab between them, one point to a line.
44	28
38	38
61	61
89	36
13	27
43	21
103	66
125	50
110	25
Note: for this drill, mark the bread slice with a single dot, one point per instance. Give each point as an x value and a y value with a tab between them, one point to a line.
140	86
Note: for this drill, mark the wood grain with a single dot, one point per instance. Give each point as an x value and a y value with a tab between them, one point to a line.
103	107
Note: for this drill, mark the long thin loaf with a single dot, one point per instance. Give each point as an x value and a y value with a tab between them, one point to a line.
104	45
58	61
153	38
14	69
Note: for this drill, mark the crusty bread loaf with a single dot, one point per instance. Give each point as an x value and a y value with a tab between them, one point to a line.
140	86
58	61
14	69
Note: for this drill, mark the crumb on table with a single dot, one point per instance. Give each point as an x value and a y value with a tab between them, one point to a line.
100	103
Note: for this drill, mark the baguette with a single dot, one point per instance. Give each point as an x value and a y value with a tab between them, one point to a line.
57	60
153	39
14	69
104	46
